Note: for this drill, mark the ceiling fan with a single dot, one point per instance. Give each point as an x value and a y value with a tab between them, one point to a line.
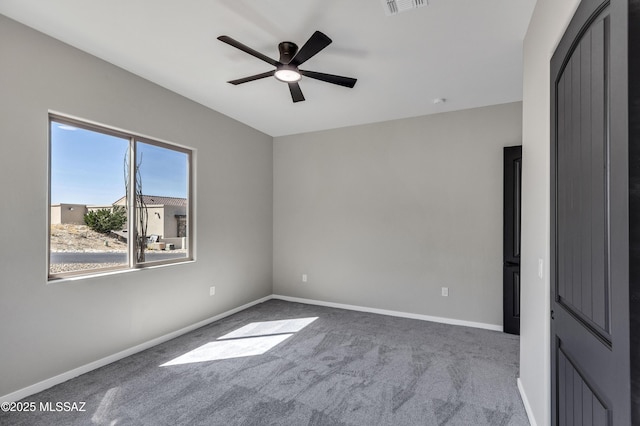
291	58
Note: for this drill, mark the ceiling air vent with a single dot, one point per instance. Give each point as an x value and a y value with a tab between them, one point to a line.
393	7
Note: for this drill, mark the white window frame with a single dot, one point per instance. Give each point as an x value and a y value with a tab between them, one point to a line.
133	138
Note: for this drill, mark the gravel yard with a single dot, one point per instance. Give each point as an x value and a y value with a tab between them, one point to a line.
81	238
68	239
58	268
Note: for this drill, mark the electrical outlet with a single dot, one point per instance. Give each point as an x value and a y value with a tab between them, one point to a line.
445	291
304	278
212	291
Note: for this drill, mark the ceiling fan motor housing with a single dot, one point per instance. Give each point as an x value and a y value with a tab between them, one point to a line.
287	50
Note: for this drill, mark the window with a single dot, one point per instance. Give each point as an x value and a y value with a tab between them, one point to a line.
117	200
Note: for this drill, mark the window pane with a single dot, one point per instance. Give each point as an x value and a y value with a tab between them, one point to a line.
162	190
87	179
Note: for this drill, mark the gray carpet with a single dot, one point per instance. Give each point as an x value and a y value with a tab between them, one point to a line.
343	368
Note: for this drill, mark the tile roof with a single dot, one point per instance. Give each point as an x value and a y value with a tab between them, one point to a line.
155	200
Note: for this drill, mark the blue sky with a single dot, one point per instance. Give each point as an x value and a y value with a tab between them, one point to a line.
88	167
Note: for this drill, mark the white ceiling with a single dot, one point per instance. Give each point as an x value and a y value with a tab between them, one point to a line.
467	51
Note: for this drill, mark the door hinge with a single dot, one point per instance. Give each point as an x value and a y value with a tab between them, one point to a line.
552	316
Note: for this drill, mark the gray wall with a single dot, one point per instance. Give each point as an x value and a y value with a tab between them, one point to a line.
384	215
48	329
550	18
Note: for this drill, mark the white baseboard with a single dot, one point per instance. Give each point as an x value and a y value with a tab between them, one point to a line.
525	401
391	313
60	378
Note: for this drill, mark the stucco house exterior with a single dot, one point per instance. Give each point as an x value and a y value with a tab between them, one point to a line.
167	216
68	213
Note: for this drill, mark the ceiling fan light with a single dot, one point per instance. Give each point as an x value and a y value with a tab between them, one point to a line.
288	75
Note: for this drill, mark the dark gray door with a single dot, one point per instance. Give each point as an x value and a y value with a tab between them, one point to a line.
589	220
511	239
634	205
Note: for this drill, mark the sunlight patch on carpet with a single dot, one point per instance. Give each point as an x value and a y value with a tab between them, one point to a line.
265	328
252	339
102	414
226	349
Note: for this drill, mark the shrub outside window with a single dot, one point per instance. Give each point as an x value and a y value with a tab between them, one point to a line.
117	200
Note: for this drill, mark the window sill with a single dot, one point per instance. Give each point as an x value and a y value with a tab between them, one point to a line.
59	280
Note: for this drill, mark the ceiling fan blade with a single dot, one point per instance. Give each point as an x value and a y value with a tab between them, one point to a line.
252	77
296	93
315	44
330	78
247	49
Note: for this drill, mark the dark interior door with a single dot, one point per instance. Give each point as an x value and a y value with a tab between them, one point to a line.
634	205
511	237
590	373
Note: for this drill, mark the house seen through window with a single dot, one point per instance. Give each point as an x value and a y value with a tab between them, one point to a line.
117	200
